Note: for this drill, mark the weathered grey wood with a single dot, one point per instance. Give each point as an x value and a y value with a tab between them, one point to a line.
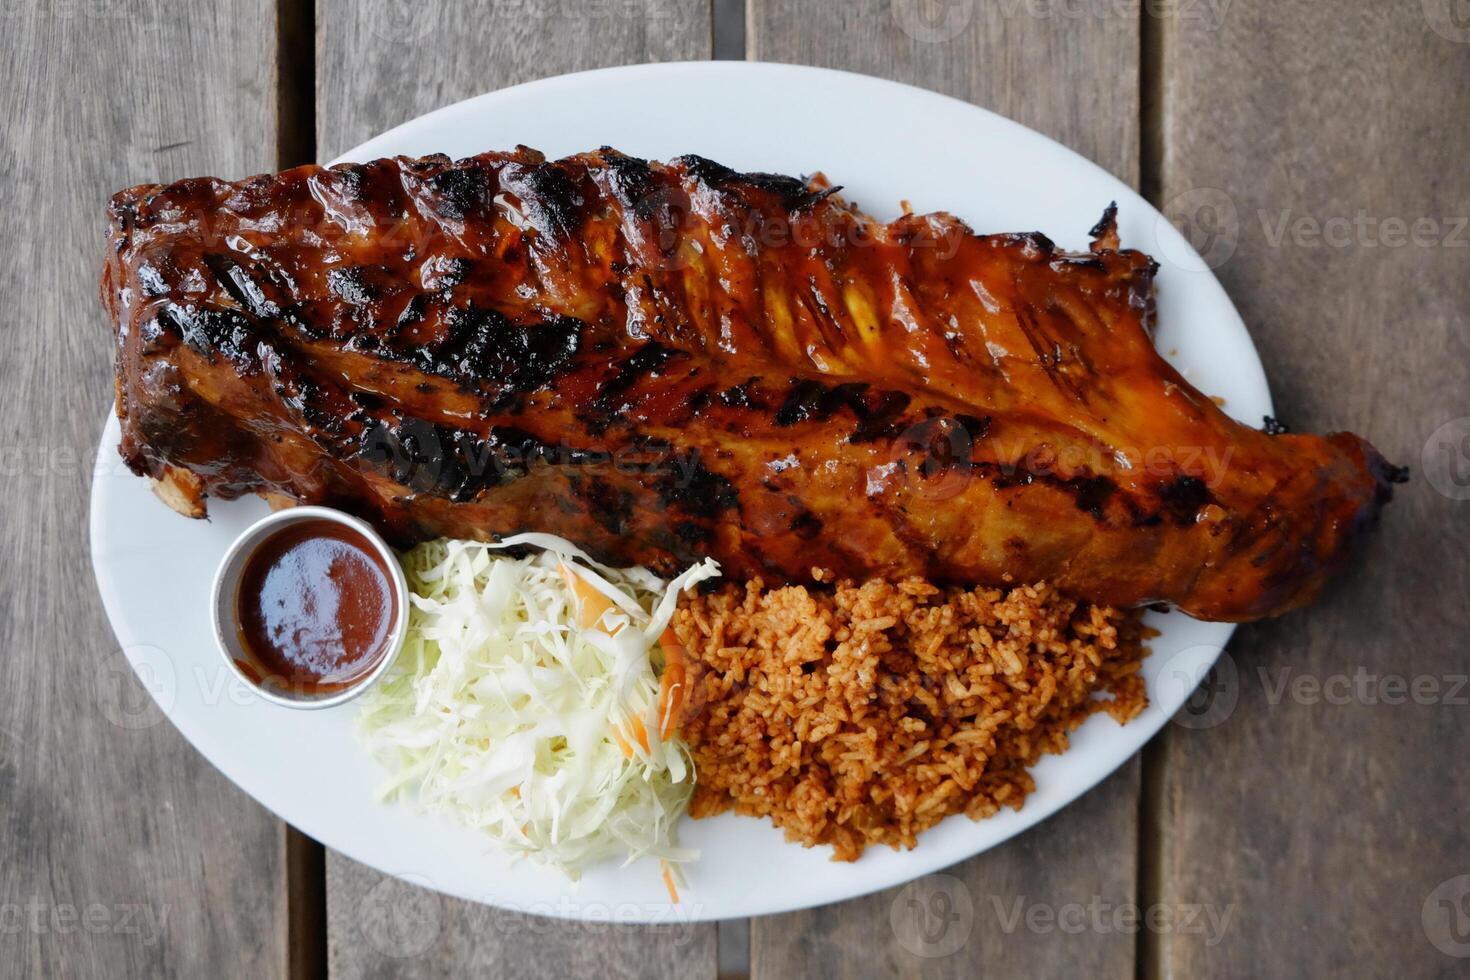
122	852
384	927
1328	826
1075	78
380	63
1067	68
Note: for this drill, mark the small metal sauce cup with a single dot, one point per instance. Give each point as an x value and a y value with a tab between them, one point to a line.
226	609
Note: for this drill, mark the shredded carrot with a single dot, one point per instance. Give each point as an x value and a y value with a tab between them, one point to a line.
671	686
592	605
669	882
642	733
622	743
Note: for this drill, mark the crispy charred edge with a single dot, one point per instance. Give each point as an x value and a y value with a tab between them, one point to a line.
1104	234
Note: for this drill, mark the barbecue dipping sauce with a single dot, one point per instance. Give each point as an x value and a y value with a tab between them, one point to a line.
316	606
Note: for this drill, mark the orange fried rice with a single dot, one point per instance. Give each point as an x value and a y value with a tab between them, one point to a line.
865	714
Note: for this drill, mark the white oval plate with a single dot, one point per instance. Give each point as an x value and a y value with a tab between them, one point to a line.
884	143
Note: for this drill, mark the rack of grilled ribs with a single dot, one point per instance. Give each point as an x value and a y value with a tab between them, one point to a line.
668	361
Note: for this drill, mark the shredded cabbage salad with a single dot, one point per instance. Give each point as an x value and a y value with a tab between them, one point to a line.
534	700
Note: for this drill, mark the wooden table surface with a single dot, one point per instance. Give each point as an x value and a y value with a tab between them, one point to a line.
1307	819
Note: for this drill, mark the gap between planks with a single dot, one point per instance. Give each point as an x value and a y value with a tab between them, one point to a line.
306	860
1148	951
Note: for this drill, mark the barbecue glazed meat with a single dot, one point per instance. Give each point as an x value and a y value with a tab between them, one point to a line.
662	362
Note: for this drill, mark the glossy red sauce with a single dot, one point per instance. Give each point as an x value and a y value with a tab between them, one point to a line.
316	607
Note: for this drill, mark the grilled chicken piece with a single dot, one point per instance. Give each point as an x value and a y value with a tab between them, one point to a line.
663	362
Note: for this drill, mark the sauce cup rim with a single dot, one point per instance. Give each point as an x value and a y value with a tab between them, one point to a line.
224	609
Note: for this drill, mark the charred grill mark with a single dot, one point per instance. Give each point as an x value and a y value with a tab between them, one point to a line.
738	396
216	333
1091	494
447	462
347	180
881	421
806	525
357	285
549	200
485	347
699	400
695	538
1183	497
800	404
632	181
241	287
1139	516
976	428
811	401
445	273
154	335
609	506
847	395
414	312
318	403
460	191
647	360
697	491
410	453
155	276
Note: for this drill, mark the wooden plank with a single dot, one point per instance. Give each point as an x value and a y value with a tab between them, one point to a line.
419	57
1066	68
382	62
122	852
1328	816
1075	78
